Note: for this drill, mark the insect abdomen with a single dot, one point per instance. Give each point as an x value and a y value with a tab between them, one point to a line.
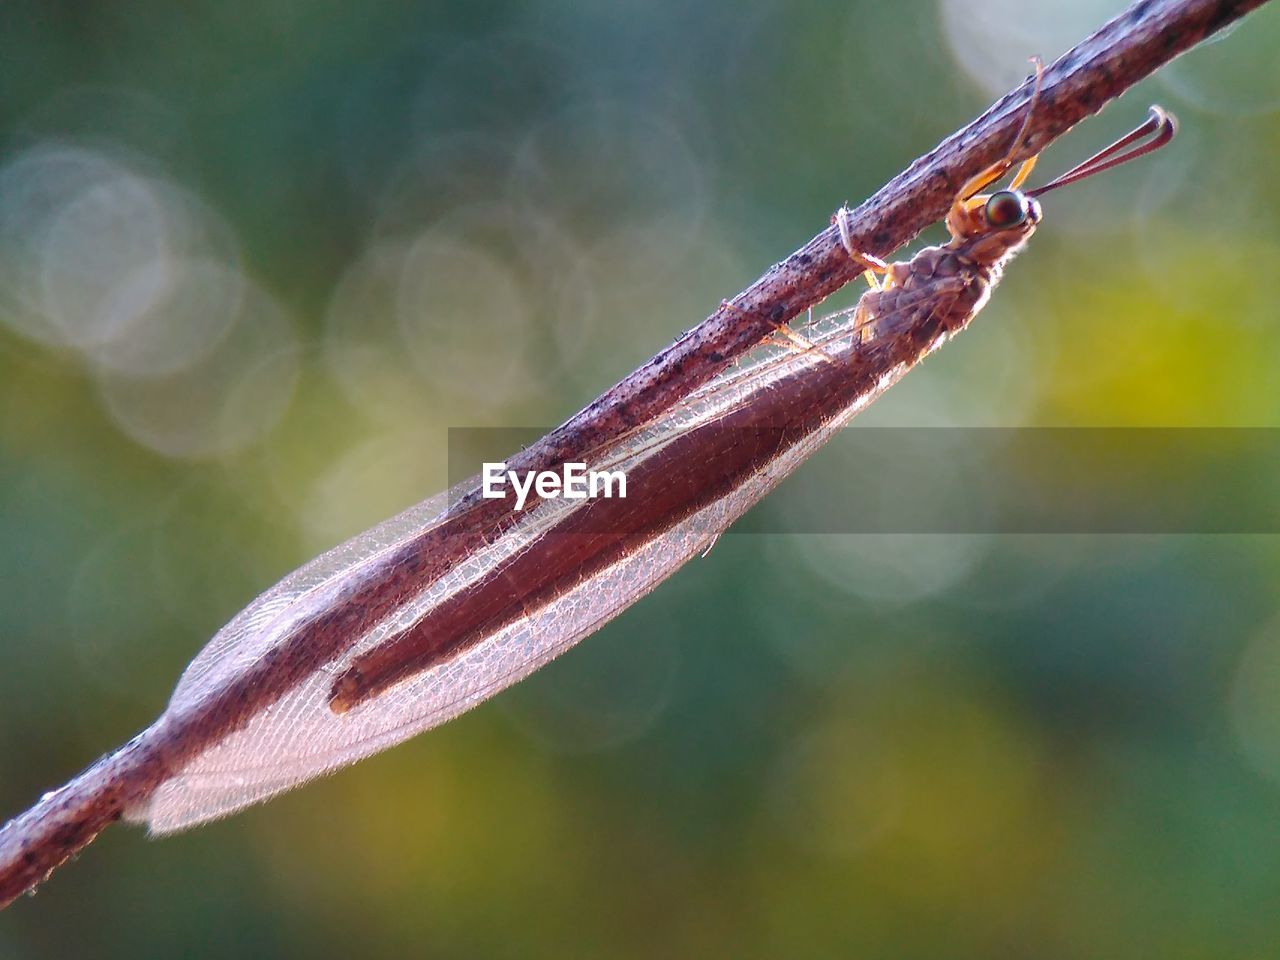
937	291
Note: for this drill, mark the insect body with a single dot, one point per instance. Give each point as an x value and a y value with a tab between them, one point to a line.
916	305
948	284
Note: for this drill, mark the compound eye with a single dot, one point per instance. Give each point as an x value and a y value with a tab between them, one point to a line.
1006	209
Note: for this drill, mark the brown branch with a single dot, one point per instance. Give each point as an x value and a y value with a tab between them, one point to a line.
1097	70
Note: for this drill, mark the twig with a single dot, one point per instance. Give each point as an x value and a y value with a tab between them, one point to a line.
1078	85
1123	52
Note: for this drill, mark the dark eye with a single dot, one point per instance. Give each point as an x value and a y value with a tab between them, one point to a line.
1005	209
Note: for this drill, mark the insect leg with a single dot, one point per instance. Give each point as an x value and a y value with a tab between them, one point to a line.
1024	171
979	182
863	322
998	169
991	174
795	340
874	265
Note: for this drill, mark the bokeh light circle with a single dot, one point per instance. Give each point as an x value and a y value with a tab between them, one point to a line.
224	402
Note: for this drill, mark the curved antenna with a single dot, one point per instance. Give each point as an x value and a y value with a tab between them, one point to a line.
1159	126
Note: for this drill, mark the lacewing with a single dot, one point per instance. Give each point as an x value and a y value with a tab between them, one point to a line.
438	609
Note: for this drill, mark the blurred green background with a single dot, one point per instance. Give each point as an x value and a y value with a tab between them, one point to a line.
255	260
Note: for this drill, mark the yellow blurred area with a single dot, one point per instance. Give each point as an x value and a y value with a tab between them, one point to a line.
1190	352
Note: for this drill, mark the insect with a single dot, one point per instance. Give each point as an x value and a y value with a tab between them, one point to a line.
438	609
921	301
952	282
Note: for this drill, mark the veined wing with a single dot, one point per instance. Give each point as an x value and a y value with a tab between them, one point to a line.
300	735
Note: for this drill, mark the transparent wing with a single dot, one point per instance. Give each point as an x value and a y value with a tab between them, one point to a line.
260	624
300	737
